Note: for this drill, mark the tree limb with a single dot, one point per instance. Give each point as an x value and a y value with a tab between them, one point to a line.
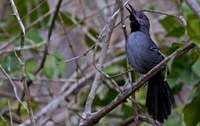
95	117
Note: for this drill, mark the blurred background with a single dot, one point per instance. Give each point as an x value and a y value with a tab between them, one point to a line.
68	71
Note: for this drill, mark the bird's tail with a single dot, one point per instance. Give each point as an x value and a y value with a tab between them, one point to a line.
159	98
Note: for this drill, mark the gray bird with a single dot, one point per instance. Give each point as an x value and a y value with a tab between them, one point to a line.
143	55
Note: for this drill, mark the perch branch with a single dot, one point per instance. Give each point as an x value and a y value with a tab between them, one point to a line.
95	117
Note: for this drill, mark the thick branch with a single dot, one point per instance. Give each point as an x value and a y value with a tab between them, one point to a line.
94	118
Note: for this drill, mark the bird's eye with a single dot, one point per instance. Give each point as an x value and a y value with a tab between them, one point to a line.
141	16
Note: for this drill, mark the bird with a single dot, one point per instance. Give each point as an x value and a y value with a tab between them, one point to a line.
143	54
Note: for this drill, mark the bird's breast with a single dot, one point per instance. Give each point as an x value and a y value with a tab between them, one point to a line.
137	51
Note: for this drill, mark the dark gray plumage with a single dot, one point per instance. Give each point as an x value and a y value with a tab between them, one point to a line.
143	54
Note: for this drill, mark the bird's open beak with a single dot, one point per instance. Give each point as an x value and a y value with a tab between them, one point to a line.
131	9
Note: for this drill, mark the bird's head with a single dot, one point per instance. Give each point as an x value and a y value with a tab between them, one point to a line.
138	20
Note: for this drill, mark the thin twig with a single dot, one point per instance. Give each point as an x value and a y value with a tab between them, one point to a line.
23	73
25	48
77	57
120	3
4	120
53	19
10	113
14	88
72	49
16	14
179	18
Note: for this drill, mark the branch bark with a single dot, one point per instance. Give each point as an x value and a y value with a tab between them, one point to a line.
108	32
22	61
95	117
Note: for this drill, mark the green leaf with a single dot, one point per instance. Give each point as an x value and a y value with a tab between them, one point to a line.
49	67
31	76
67	21
10	62
192	110
52	67
196	39
30	65
194	23
172	121
61	67
43	9
186	76
34	35
176	32
30	68
193	30
174	47
196	67
169	23
181	72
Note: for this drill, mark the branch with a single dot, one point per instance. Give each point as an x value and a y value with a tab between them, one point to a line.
194	6
74	87
29	47
10	113
22	61
4	120
77	57
53	19
95	117
180	18
108	29
16	14
140	118
14	88
120	3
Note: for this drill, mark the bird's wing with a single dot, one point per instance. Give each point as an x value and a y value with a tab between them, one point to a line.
154	52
